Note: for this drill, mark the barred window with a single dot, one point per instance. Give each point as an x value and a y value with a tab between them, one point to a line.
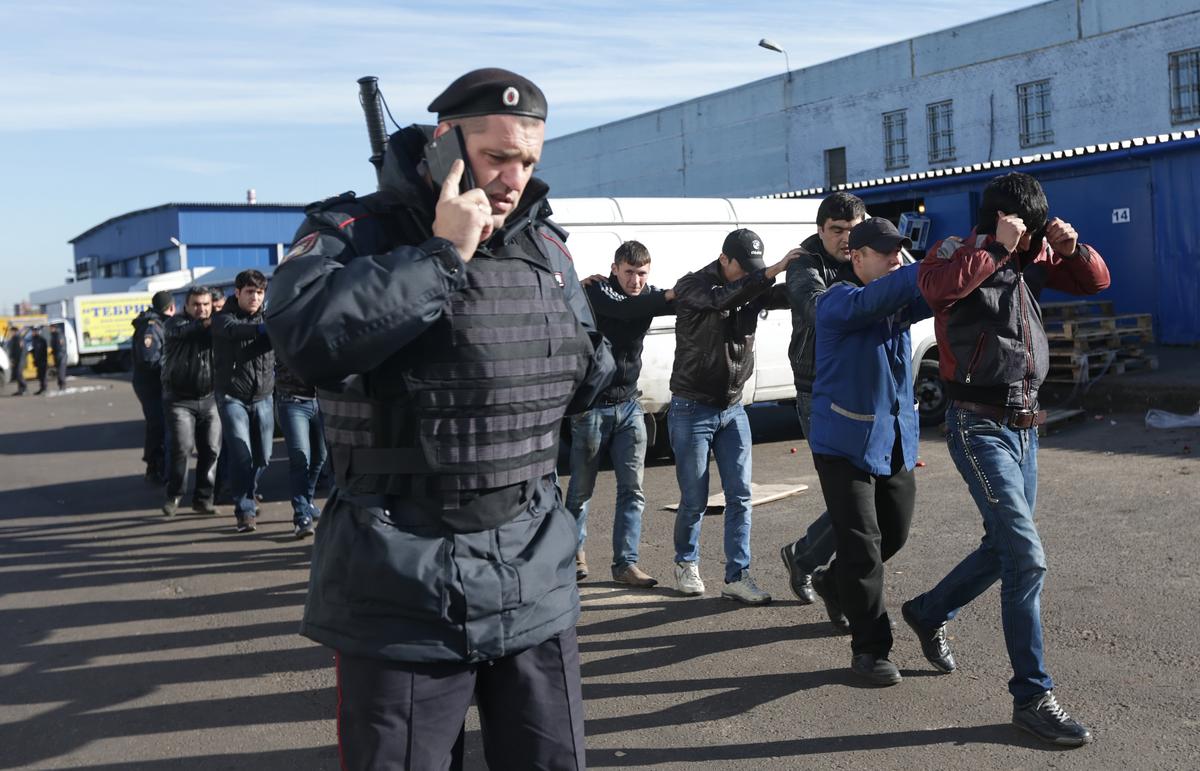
895	139
1185	85
1033	103
940	118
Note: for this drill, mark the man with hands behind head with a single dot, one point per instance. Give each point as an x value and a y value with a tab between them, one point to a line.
447	336
993	354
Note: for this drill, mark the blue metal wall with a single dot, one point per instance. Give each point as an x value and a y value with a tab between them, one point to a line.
1153	254
242	226
131	236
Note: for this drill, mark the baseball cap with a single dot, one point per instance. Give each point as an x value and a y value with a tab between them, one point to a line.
746	247
879	234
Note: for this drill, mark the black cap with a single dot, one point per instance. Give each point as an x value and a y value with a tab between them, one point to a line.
490	91
879	234
746	247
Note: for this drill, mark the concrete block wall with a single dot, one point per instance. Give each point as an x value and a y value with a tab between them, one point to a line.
1106	61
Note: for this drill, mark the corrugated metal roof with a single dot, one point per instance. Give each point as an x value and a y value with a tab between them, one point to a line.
189	205
1007	163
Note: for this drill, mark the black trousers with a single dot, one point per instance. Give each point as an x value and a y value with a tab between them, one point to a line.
148	390
192	423
871	516
394	715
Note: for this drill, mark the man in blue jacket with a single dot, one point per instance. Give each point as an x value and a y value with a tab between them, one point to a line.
864	430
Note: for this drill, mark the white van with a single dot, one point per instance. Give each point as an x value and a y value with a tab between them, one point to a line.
684	235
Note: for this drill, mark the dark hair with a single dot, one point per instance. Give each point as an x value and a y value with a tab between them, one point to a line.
162	301
841	206
197	290
252	278
1013	193
633	253
217	294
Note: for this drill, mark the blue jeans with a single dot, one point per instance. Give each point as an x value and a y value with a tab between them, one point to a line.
695	429
999	465
249	429
304	433
620	428
818	544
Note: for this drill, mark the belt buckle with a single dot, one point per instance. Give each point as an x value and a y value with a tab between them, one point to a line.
1022	418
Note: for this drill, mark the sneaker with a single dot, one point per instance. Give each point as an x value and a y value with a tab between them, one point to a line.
581	571
933	641
632	575
800	581
876	670
687	579
303	529
170	507
821	585
246	524
203	507
1043	718
745	590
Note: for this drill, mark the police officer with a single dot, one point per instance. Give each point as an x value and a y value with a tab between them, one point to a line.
146	349
37	345
58	349
447	335
16	359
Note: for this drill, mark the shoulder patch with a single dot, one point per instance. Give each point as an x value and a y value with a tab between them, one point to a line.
948	248
301	247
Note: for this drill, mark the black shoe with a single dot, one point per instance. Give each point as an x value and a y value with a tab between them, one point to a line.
246	525
876	670
800	581
203	507
1043	718
832	606
170	507
933	641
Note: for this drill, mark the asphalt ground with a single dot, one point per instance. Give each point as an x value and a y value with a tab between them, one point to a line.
130	641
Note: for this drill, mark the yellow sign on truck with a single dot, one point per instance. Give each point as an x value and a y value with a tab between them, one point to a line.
104	321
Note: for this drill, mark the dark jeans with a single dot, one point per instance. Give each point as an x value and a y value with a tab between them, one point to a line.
192	422
249	431
871	516
999	465
816	547
148	390
619	429
304	434
395	715
18	372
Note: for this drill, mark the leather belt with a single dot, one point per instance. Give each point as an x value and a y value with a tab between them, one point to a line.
1010	416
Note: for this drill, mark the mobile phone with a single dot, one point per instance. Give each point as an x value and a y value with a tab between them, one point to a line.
440	155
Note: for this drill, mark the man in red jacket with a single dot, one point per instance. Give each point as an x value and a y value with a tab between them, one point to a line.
984	292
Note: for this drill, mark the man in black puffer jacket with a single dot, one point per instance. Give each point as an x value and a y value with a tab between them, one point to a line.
191	411
244	378
447	335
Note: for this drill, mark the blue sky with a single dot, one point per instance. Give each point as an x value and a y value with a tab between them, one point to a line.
108	107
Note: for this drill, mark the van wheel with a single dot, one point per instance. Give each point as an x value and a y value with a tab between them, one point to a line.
930	393
658	440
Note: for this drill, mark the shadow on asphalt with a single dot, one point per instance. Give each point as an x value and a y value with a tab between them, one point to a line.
1000	734
92	437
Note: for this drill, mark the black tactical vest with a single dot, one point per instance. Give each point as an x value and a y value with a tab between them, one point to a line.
473	404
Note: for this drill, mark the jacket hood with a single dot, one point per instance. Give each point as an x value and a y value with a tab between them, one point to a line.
142	319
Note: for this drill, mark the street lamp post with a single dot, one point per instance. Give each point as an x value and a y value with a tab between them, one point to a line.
771	45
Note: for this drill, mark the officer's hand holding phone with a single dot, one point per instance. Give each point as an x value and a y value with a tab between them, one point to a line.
463	219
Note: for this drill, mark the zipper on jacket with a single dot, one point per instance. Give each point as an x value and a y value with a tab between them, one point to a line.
1025	337
975	356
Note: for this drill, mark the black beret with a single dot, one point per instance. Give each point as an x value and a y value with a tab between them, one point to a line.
490	91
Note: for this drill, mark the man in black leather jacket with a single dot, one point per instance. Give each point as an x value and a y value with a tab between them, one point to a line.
191	410
717	311
819	260
244	380
447	335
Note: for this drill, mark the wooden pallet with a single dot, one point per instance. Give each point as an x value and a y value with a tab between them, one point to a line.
1071	310
1069	329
